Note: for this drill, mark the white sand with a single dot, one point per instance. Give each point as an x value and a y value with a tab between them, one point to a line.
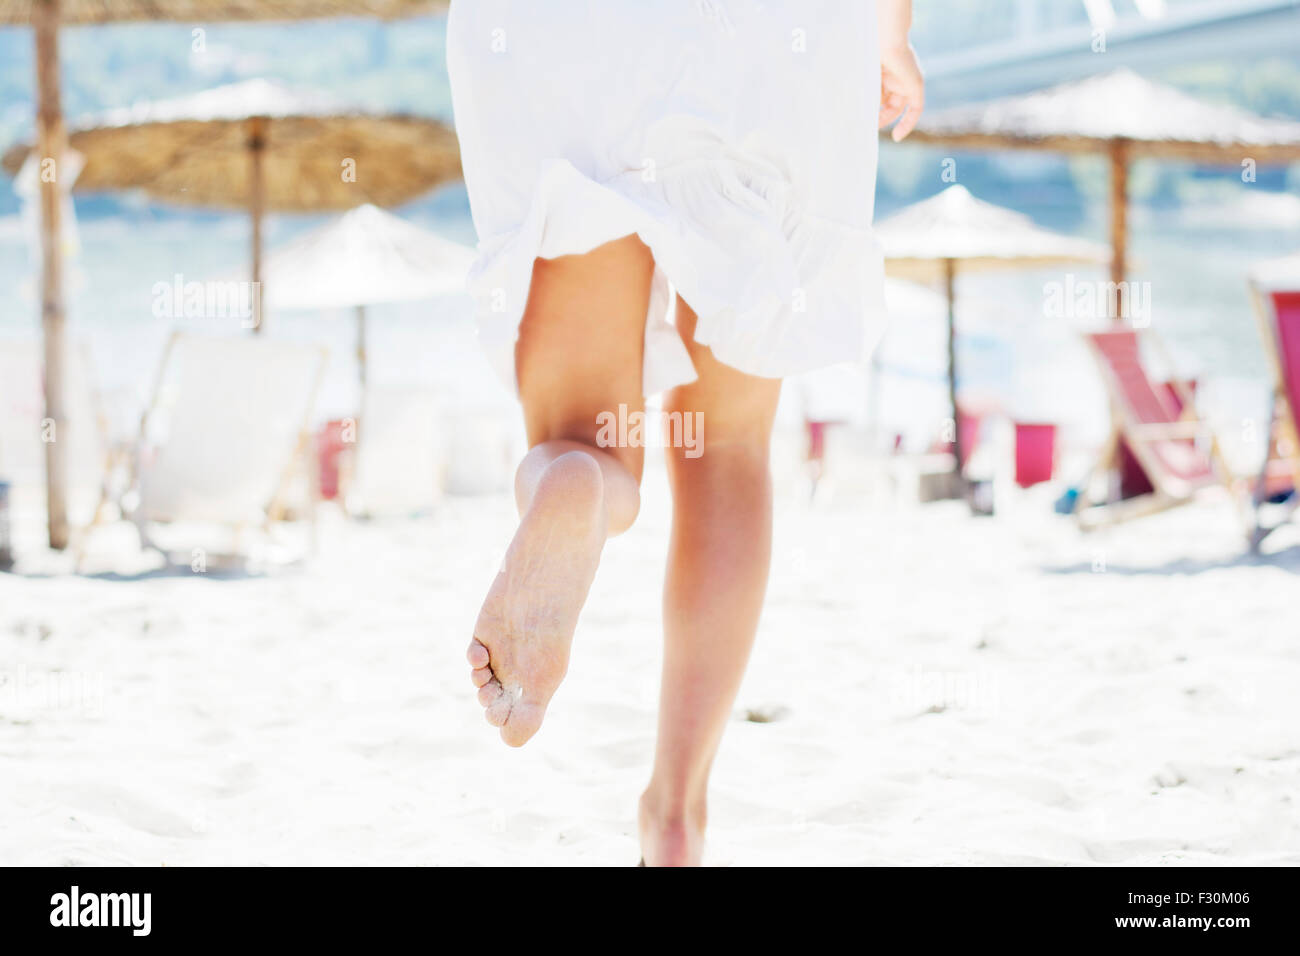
955	691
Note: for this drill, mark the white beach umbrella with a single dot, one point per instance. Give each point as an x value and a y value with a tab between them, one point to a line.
927	240
954	226
365	257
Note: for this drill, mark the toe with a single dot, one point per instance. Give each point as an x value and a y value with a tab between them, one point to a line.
488	693
499	709
525	720
480	676
477	654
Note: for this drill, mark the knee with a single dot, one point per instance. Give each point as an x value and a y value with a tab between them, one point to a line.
702	440
731	434
735	460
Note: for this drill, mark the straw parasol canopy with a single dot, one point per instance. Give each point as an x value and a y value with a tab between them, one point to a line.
23	12
1155	120
928	240
1120	115
314	151
45	18
365	257
261	146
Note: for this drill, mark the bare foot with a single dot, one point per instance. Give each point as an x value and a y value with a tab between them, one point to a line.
669	838
520	650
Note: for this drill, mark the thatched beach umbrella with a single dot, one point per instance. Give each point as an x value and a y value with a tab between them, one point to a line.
45	17
928	240
1122	116
364	257
259	146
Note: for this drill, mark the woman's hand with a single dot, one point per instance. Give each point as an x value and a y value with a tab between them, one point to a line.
902	88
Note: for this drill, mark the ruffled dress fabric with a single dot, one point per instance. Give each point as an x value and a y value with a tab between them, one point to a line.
737	139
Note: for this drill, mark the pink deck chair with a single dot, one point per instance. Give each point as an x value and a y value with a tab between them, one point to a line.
1035	453
1157	426
1279	313
1132	479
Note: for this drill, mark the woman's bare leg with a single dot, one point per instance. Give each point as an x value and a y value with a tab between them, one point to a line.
579	354
717	574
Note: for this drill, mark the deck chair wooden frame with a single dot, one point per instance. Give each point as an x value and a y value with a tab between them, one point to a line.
1282	454
275	508
1170	490
114	456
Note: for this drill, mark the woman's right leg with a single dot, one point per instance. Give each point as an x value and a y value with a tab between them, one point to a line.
579	354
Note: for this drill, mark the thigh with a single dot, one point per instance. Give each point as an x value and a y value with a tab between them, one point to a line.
581	343
735	408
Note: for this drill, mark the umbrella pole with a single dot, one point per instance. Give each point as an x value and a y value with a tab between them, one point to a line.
256	207
51	143
361	346
950	290
1118	223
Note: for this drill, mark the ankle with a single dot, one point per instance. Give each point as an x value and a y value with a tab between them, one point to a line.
674	807
672	830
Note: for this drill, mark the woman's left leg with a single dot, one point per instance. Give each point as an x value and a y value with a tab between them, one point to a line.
713	593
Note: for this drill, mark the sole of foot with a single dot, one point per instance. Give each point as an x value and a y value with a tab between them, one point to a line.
520	651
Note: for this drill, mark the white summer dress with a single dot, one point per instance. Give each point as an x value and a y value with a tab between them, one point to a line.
736	138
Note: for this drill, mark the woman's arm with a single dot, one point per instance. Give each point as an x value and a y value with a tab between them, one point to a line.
902	87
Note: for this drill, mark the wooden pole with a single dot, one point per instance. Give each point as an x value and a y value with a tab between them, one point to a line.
361	369
256	208
950	290
1119	159
361	347
51	142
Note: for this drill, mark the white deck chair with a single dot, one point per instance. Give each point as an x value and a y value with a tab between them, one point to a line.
226	425
481	447
22	435
395	471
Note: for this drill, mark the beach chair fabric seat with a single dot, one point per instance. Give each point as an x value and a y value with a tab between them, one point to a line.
1278	310
1146	403
397	453
1286	317
226	424
1175	451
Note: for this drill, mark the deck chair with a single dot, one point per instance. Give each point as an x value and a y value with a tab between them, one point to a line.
1176	450
395	471
1278	310
223	434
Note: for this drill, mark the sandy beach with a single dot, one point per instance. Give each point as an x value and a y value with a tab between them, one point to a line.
928	688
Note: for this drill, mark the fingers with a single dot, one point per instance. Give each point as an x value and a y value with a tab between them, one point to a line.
909	121
904	105
892	106
902	92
